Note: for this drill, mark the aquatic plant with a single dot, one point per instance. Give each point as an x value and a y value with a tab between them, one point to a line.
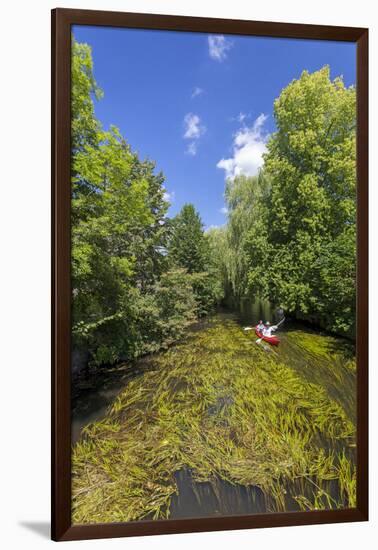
220	407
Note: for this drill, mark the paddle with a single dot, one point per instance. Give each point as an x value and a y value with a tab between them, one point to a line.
282	320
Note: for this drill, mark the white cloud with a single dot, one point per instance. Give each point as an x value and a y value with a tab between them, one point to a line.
210	227
197	91
241	117
248	148
224	210
193	127
218	47
192	148
193	130
169	196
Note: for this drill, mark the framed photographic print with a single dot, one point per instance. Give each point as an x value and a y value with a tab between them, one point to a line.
209	267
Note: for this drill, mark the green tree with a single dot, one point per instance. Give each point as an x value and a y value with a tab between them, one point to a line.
311	164
119	235
245	198
219	260
291	231
187	247
84	125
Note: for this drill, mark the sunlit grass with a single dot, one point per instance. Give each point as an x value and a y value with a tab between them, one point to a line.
222	407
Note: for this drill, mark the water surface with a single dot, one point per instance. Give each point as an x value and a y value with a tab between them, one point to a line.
214	376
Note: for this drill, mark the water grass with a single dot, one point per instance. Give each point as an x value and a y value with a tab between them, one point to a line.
220	407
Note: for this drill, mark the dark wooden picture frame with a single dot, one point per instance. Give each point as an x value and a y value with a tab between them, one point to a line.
62	20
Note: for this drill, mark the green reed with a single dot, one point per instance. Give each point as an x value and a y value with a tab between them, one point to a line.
224	408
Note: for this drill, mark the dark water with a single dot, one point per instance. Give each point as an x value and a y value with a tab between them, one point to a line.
222	498
92	395
216	498
250	312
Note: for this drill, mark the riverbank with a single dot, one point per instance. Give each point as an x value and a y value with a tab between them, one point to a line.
215	414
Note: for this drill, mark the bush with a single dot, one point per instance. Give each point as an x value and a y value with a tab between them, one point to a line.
146	322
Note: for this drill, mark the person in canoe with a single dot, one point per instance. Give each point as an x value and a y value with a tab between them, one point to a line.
260	327
269	329
266	333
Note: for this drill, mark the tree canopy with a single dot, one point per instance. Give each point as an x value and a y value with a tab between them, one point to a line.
129	297
140	278
291	231
188	246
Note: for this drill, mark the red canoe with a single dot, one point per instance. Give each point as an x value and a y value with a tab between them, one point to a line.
273	340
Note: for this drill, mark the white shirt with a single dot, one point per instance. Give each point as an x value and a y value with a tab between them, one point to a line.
268	330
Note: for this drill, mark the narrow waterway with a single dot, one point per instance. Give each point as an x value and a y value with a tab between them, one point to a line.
234	427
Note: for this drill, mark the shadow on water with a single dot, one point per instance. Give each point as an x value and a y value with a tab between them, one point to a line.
214	498
250	312
222	498
93	392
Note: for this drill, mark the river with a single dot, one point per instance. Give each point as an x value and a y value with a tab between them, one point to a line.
235	428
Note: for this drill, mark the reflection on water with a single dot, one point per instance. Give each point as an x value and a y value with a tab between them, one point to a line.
250	312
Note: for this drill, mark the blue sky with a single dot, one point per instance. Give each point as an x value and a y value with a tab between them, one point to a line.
200	106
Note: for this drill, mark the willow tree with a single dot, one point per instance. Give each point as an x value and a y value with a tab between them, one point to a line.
245	198
220	259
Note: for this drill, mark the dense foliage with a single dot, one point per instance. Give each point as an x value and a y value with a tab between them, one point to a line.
291	233
139	278
129	296
215	405
190	248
